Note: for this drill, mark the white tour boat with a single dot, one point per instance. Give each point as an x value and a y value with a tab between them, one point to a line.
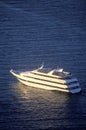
46	78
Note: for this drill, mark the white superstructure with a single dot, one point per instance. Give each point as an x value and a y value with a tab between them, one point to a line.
46	78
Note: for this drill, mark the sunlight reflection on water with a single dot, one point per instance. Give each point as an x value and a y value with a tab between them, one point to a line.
47	107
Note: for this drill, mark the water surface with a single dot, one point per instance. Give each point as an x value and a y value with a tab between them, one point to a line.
36	32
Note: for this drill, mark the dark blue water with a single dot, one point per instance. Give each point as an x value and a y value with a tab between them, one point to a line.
35	32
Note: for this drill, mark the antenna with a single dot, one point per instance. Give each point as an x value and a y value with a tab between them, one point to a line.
41	67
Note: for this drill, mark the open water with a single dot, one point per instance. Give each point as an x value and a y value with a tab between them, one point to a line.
33	32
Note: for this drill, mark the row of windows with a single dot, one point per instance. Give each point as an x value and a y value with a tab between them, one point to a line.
52	81
49	85
58	77
74	88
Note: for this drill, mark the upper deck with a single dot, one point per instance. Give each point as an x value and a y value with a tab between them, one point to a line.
54	72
